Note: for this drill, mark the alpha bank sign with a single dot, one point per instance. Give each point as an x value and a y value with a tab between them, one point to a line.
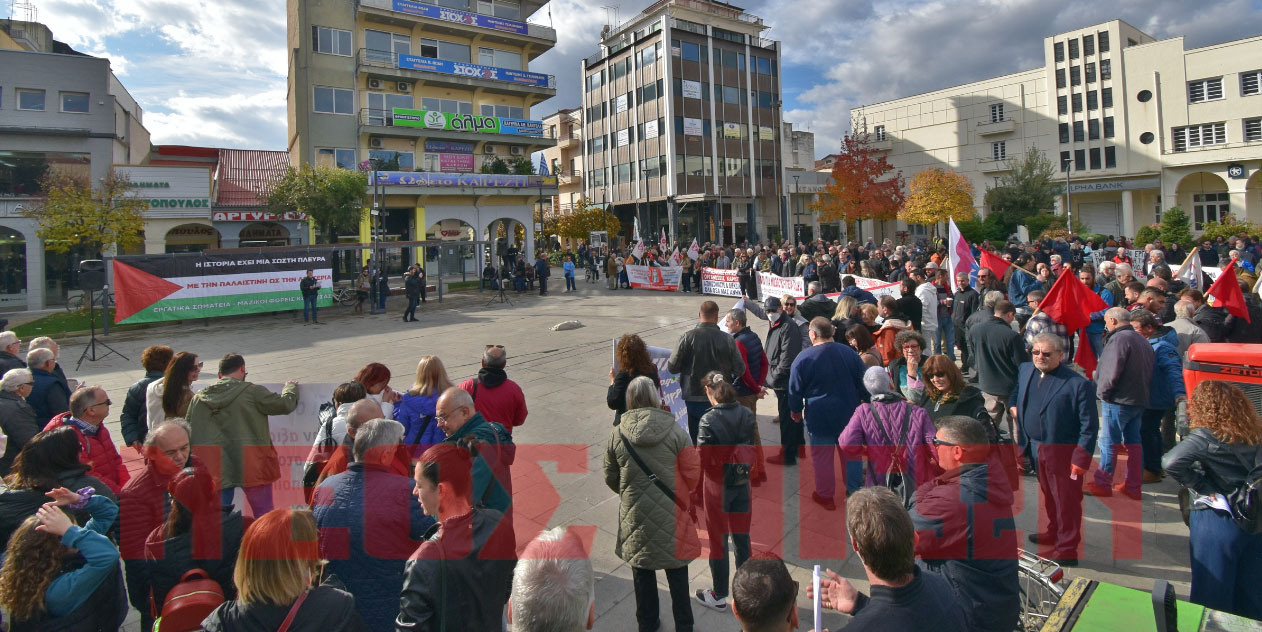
1114	185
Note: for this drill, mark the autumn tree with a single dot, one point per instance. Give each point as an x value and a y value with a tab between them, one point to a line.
333	198
934	195
584	218
72	214
861	186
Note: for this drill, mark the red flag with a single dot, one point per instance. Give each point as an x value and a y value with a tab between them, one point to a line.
995	263
1225	293
1085	357
1071	303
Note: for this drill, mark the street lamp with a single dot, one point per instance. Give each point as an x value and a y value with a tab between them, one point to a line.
1069	215
378	204
719	238
796	225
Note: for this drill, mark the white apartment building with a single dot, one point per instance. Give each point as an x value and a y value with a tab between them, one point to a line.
1138	125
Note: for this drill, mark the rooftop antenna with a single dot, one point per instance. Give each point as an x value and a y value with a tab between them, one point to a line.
23	11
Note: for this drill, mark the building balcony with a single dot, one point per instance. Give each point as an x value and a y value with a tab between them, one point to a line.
884	144
440	73
565	140
567	177
487	129
441	20
480	184
990	165
989	128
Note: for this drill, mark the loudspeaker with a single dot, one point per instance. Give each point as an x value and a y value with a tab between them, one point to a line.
92	275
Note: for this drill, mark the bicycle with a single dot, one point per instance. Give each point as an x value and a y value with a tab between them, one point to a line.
1041	589
344	295
79	302
593	274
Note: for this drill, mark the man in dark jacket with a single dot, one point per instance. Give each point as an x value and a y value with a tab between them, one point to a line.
963	305
1123	378
542	272
134	420
908	304
10	345
904	597
850	287
816	303
999	351
310	288
749	386
17	418
700	350
1244	331
412	288
368	548
458	419
50	396
1056	408
1211	320
965	526
783	346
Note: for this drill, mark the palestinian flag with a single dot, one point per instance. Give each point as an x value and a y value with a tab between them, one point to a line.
152	288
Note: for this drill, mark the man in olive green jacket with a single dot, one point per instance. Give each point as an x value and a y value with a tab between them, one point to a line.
231	434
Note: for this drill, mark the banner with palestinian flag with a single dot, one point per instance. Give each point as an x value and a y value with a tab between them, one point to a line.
153	288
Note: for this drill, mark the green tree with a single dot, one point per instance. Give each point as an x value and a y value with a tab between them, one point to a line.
1176	228
1229	228
497	166
73	214
1147	234
1029	186
521	166
333	198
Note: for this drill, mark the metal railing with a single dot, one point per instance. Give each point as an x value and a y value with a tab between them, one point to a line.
390	60
573	135
535	28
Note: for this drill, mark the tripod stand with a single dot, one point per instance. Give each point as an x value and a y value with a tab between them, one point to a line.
93	342
500	296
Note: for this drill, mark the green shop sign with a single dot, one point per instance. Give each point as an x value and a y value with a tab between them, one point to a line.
448	121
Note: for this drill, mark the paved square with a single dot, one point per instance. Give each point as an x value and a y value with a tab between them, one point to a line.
565	375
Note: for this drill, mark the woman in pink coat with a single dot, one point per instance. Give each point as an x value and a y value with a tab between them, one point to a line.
891	434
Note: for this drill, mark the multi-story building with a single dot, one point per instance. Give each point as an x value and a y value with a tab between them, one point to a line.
427	95
1136	125
682	120
565	159
62	111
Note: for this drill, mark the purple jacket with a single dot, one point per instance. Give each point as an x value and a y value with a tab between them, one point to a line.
863	438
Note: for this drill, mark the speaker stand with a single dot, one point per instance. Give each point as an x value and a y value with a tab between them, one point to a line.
92	341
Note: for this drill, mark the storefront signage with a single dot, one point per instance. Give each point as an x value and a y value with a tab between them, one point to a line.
490	180
1116	185
168	188
692	126
460	17
1236	171
456	163
257	216
150	185
691	89
257	232
447	147
731	130
192	230
429	64
448	121
650	130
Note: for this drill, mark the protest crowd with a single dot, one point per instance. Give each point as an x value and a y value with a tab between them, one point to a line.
931	380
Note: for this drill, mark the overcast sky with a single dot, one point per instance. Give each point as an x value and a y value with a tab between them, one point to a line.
213	73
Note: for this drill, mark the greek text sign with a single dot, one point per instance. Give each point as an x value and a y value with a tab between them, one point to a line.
475	71
459	17
448	121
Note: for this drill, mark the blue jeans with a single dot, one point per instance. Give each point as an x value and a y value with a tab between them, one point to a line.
309	305
1120	424
695	410
1096	340
569	283
822	449
1226	564
259	497
944	341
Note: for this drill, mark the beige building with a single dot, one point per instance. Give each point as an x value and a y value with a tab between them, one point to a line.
565	160
1137	125
430	97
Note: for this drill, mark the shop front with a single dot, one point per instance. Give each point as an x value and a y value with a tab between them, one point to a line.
257	228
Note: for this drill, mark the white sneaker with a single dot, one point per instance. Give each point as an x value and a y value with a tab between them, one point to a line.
707	599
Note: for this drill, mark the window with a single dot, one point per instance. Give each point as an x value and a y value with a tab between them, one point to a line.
1064	133
74	102
594	81
999	150
1095	157
1075	76
1108	127
1089	70
1110	158
1058	50
1204	90
1253	129
1103	37
878	133
1249	82
1079	135
439	49
1093	103
1199	136
1062	105
996	113
763	66
1106	97
499	58
340	158
1073	48
395	160
1080	159
503	111
450	106
730	36
381	107
691	52
331	41
1093	129
386	47
1060	77
333	101
1076	99
30	99
766	99
1209	207
1088	44
1064	161
596	145
1106	69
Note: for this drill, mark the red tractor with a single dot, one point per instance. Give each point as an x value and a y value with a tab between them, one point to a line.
1240	364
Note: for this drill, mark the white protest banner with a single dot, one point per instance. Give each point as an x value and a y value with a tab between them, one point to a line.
654	278
877	287
672	391
773	285
720	282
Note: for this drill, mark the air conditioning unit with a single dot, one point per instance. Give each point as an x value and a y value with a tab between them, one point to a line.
514	151
375	84
488	148
376	143
405	86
